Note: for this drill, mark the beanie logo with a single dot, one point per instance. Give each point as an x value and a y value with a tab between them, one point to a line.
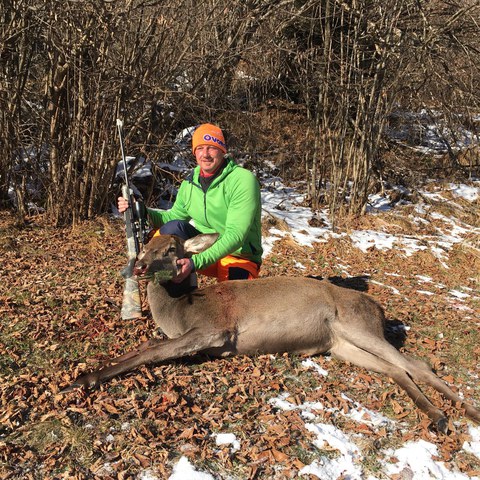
209	138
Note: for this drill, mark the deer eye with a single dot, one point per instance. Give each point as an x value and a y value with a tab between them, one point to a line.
169	251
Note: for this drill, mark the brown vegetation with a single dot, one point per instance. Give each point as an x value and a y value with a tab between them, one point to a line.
326	74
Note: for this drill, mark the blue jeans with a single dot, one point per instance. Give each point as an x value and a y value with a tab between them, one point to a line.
180	228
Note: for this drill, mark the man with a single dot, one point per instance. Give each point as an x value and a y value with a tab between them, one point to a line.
220	197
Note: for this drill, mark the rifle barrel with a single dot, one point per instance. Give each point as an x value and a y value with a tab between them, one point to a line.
124	157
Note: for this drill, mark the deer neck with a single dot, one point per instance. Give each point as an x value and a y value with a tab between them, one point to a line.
164	299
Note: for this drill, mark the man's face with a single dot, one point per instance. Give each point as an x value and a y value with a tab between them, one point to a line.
209	157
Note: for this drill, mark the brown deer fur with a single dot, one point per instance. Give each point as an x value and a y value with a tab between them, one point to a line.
269	315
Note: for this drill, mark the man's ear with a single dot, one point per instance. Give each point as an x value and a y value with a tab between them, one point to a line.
199	243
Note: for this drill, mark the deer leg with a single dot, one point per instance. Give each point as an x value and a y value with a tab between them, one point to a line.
193	341
419	370
423	373
344	350
140	348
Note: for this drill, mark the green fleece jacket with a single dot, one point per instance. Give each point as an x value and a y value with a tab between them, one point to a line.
231	207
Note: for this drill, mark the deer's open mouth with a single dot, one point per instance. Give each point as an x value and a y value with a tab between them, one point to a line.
141	272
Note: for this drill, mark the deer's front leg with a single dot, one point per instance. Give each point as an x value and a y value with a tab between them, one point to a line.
194	341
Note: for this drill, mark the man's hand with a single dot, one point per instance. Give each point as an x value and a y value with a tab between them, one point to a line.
186	268
122	204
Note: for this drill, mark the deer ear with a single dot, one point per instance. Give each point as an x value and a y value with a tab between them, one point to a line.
199	243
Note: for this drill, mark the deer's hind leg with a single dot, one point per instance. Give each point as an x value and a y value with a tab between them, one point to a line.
417	369
423	373
344	350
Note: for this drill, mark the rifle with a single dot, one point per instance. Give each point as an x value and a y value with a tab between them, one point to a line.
135	224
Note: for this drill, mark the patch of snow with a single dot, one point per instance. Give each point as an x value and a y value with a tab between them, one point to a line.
282	403
184	470
424	278
368	417
467	192
363	415
345	465
473	446
378	203
459	306
299	266
227	439
416	458
458	294
309	363
366	239
283	203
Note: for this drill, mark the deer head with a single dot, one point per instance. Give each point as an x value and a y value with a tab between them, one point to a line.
158	259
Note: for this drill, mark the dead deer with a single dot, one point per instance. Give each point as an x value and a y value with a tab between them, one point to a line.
268	315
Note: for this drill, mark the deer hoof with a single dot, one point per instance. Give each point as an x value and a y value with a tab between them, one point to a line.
441	425
86	381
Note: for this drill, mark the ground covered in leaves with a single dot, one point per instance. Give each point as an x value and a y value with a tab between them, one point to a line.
60	295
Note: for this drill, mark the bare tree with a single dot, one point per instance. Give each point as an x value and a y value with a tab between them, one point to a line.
68	73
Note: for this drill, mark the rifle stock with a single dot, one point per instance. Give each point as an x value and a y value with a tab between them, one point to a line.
131	302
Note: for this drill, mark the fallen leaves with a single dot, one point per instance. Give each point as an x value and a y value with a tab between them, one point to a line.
60	301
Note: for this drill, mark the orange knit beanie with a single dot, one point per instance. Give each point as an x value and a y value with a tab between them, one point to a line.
208	134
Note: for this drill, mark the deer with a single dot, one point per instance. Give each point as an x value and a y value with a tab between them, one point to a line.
268	315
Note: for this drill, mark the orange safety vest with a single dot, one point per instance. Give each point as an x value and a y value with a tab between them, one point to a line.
220	268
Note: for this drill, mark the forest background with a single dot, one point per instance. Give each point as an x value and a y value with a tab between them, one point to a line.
315	86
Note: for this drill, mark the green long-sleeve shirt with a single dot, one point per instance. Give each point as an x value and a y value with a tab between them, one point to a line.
231	207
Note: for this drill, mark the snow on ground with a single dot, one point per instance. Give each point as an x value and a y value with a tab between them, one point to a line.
473	446
416	459
284	203
467	192
345	465
227	439
184	470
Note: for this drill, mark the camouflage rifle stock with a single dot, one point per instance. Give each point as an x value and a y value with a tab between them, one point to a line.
135	231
